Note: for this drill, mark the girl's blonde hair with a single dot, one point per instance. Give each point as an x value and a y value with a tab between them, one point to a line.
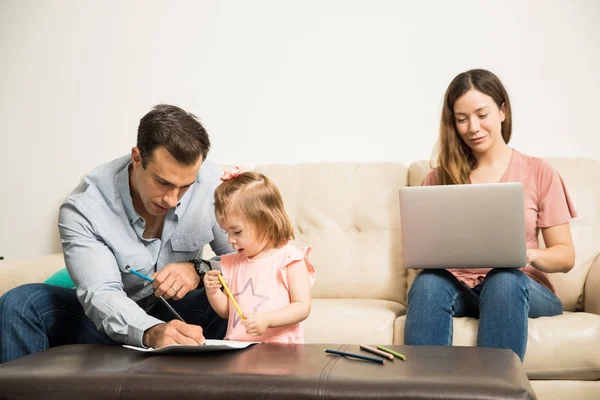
455	160
256	199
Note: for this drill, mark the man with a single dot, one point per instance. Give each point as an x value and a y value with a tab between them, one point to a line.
151	212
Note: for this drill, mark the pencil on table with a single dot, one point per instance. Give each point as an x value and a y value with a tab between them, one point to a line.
394	353
343	353
228	293
378	352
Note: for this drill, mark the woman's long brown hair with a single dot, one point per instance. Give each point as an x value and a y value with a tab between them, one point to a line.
455	160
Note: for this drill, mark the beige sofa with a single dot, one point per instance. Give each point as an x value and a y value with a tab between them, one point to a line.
349	214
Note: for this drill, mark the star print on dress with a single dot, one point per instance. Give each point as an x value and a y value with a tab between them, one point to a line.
247	301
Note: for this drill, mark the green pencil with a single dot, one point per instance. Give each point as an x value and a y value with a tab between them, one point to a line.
392	352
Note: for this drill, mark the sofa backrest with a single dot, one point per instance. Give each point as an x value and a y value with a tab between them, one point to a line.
349	214
582	178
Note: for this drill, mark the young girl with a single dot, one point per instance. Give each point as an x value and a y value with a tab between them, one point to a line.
269	278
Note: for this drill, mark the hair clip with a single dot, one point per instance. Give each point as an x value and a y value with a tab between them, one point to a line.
231	173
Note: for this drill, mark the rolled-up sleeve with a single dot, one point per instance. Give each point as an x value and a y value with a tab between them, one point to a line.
94	270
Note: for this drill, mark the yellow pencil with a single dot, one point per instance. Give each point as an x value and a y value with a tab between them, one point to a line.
228	293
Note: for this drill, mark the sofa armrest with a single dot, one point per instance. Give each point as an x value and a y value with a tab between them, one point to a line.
591	293
18	272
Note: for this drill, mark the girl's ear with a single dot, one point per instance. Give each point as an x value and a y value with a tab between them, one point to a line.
502	112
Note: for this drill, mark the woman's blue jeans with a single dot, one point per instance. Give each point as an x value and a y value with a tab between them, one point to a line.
37	316
502	302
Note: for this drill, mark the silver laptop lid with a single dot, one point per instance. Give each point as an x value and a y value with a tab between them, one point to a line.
463	226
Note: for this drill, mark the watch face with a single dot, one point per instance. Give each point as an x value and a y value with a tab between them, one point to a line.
204	266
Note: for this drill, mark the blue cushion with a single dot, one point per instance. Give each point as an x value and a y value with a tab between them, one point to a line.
61	278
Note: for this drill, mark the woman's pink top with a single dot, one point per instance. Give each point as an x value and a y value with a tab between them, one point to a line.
547	203
261	285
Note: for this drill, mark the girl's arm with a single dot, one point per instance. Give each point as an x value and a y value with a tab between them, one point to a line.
217	299
300	300
298	309
559	254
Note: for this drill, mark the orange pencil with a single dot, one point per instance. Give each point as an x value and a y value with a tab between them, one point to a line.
378	352
228	293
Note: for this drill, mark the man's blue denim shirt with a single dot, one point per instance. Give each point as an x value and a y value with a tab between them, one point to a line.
101	233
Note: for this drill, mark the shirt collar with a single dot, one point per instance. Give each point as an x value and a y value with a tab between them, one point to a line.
125	193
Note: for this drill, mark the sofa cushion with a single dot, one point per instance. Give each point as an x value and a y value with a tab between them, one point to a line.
34	270
351	321
349	214
562	347
61	278
559	390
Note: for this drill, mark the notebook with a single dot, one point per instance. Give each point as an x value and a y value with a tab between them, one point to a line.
208	346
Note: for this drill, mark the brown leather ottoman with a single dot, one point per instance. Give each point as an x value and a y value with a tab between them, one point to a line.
265	371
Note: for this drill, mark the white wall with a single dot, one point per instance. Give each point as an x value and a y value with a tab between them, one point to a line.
273	81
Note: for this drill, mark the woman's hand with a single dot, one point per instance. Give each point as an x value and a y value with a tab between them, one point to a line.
559	254
532	255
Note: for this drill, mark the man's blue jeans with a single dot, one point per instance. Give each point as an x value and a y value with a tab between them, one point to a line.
37	316
502	302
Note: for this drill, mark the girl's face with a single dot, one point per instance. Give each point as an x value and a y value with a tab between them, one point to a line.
478	121
242	237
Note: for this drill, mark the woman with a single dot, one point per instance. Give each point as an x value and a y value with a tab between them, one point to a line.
473	148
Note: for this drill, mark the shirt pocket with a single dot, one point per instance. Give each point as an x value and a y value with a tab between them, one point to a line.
186	246
138	262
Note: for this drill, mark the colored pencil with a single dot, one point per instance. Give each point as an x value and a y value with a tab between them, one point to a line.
378	352
228	292
394	353
175	313
128	268
343	353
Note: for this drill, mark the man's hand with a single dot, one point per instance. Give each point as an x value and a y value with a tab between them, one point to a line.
256	324
211	282
175	280
173	332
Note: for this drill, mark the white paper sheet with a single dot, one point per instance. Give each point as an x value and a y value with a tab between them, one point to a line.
211	345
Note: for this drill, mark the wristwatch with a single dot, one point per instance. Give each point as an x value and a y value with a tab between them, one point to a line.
202	267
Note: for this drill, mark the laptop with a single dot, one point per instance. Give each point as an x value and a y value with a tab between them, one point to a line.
463	226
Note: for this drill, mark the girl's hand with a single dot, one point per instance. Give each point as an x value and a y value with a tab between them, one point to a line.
211	282
256	324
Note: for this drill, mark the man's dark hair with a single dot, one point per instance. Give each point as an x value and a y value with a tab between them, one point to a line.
180	132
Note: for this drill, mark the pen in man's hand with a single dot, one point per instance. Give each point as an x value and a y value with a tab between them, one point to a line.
175	313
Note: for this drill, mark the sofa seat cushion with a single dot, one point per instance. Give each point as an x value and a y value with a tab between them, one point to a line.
351	321
562	347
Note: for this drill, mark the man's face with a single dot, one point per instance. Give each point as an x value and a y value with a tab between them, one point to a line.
163	182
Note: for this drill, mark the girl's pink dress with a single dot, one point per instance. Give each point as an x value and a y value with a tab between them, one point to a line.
261	286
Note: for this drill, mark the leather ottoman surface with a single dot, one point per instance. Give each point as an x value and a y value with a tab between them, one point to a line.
265	371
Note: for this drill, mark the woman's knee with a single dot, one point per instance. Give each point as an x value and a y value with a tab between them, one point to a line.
430	283
505	282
